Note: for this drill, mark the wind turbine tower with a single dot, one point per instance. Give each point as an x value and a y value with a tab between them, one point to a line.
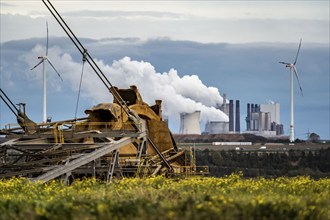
293	70
42	60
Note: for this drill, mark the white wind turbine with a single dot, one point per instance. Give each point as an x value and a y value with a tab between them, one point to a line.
293	70
42	60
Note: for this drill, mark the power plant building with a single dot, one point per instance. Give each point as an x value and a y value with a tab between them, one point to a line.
264	119
273	109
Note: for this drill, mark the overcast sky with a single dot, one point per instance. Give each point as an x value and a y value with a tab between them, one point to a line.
201	21
227	44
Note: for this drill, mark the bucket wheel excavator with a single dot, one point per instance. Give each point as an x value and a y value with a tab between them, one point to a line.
124	138
106	143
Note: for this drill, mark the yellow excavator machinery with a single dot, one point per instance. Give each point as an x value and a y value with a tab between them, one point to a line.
107	143
124	138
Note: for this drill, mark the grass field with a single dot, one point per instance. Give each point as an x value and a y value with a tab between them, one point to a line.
231	197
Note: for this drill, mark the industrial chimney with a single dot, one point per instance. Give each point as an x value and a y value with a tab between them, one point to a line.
231	115
237	120
248	117
224	104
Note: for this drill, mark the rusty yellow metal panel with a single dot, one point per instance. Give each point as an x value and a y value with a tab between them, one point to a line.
159	133
145	112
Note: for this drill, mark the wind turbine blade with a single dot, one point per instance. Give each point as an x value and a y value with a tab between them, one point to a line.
285	63
296	73
54	69
295	61
42	60
47	39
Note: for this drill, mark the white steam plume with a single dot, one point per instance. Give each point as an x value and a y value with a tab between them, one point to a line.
179	94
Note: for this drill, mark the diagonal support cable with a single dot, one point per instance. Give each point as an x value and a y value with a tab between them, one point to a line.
8	102
89	59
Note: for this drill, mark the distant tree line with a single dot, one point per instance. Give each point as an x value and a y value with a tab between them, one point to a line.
267	164
209	138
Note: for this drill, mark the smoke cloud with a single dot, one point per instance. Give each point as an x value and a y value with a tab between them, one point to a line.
179	94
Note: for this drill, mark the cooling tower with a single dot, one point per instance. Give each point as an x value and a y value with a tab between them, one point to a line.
189	123
217	127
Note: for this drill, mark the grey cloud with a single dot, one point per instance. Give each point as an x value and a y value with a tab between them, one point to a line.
197	29
124	14
2	4
249	72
